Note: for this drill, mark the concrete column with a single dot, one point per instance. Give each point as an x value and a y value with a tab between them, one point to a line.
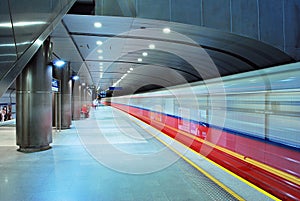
83	94
76	98
94	94
34	103
65	112
66	86
86	99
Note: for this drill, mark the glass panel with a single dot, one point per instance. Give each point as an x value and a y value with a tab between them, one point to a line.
31	19
7	46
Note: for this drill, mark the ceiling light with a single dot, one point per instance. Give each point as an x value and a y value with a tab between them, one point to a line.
100	57
128	71
99	42
145	54
21	24
140	59
97	24
75	77
151	46
59	63
101	64
100	51
167	30
131	69
39	42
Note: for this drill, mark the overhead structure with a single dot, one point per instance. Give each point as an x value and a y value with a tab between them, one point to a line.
144	54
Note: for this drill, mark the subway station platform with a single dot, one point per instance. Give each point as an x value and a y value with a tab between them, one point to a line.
113	156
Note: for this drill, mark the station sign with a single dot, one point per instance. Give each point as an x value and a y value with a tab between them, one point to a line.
115	88
55	85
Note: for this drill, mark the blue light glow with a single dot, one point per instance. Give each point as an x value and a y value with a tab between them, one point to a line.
75	77
59	63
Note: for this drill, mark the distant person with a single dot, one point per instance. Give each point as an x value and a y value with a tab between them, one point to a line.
4	114
95	103
85	111
9	113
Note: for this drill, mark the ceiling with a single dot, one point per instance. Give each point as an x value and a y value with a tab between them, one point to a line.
136	54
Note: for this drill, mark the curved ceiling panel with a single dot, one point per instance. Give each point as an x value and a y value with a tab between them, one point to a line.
132	53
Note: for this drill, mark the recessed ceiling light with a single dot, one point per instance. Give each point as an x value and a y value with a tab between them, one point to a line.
97	24
128	71
99	42
131	69
101	64
140	59
59	63
75	77
152	46
100	51
145	54
100	57
167	30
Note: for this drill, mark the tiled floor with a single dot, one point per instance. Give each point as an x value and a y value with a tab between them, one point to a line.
106	157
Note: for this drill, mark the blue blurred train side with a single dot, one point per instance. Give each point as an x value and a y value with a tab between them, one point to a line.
263	104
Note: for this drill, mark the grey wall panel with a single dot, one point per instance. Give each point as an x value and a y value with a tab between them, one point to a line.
188	11
271	22
245	17
116	8
292	28
154	9
216	14
111	8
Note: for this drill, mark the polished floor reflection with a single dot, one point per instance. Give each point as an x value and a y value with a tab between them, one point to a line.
72	170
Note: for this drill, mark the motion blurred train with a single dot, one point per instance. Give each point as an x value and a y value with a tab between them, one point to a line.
251	121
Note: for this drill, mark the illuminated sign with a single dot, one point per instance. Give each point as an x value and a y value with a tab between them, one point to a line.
55	85
115	88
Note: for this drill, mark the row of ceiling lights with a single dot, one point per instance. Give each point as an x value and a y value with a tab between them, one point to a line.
165	30
144	54
151	46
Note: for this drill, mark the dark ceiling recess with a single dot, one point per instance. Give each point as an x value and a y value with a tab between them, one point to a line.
147	88
83	8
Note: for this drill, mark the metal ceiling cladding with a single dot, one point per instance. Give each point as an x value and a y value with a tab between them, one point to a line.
23	28
124	41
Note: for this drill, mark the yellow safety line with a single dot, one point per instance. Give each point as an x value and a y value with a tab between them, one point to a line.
263	166
214	163
195	166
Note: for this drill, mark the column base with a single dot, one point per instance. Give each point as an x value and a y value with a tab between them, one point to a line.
64	128
33	149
